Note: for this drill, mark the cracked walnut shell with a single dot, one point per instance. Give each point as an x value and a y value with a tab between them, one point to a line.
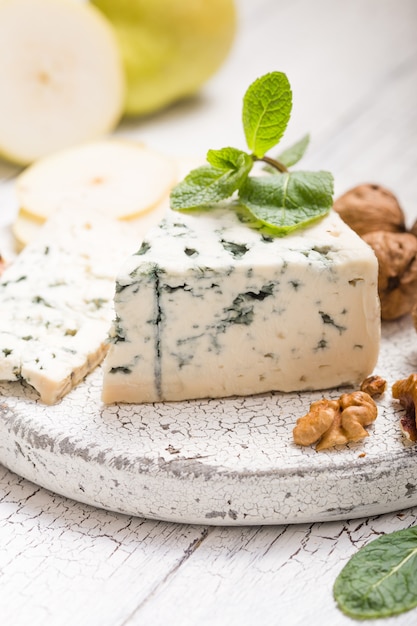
414	315
336	422
370	207
397	271
406	392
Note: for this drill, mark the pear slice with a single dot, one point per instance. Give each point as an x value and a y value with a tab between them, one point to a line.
27	226
61	77
117	177
25	229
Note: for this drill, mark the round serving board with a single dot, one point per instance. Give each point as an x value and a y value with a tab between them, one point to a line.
228	461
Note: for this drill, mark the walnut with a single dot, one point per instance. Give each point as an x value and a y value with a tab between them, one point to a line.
406	392
413	229
397	273
370	207
336	422
374	385
414	315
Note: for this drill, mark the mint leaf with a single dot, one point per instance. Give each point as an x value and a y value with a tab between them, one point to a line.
290	156
207	184
289	200
380	579
294	153
266	112
229	158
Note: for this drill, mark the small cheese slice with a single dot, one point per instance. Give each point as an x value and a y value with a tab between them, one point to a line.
57	301
211	306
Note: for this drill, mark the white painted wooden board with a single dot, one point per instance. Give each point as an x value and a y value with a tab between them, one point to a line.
353	68
228	461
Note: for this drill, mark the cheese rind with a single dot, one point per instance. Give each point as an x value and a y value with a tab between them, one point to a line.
209	307
57	301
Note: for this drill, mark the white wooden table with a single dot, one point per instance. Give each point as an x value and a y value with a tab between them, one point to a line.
353	69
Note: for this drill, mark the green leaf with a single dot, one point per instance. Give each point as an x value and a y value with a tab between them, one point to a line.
266	111
380	579
229	158
288	201
294	153
207	184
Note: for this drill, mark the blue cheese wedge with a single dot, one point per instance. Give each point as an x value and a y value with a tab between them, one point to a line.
57	301
209	307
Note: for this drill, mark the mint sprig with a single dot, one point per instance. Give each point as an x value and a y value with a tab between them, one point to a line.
282	202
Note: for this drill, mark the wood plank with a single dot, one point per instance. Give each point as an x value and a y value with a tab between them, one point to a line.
63	563
277	575
377	142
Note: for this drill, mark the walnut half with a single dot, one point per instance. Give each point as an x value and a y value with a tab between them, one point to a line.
336	422
406	392
374	385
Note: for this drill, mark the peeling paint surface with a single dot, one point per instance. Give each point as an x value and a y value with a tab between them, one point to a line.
229	461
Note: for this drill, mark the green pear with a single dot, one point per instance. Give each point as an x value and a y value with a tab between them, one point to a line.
61	77
169	47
